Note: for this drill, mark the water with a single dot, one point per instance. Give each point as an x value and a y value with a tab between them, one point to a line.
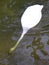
34	47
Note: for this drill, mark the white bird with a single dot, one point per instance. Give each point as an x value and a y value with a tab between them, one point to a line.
30	18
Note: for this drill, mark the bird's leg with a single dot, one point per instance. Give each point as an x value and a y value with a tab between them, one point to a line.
15	46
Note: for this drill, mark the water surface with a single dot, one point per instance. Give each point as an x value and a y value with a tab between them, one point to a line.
34	47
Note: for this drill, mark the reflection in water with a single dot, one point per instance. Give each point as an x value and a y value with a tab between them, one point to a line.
34	48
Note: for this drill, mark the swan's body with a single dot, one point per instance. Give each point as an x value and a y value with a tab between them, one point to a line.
30	18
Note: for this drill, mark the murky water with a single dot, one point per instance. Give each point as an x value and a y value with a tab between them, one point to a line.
34	47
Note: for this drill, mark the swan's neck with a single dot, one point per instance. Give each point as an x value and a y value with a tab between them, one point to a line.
15	46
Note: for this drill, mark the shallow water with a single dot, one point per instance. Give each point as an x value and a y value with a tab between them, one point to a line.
34	47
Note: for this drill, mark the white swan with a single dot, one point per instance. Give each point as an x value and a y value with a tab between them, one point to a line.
30	18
